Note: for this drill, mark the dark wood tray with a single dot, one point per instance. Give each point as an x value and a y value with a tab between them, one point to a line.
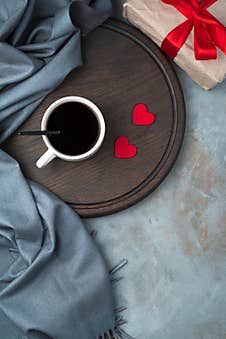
122	67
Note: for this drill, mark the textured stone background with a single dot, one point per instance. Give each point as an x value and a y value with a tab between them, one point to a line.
175	240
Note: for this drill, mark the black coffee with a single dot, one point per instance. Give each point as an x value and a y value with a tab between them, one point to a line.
78	126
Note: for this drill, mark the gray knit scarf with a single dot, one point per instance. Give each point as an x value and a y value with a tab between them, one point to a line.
54	283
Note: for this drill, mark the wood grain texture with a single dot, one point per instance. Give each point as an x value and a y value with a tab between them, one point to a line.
121	68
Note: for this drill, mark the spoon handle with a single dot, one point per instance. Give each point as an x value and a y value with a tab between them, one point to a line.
23	133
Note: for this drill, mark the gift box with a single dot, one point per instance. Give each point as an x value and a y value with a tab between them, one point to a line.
192	33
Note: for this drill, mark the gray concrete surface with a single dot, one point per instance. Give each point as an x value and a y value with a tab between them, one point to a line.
175	240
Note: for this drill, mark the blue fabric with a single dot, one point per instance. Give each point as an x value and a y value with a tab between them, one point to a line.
54	283
53	280
39	47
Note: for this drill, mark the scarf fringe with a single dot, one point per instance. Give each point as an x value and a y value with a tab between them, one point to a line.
117	332
118	267
115	269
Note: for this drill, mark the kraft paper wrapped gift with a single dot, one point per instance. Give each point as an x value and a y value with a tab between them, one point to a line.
157	19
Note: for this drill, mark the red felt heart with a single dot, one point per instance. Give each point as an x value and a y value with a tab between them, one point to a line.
123	149
141	116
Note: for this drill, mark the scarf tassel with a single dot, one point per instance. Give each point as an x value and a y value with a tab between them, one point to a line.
117	332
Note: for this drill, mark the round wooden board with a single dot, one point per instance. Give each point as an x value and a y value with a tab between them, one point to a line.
122	67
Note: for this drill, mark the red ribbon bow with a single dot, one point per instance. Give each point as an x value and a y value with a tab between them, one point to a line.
209	33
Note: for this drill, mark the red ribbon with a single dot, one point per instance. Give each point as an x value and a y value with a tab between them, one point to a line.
209	33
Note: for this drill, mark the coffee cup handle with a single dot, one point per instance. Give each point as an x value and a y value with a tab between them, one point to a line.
45	158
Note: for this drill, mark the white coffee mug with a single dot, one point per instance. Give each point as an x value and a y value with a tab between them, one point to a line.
51	152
